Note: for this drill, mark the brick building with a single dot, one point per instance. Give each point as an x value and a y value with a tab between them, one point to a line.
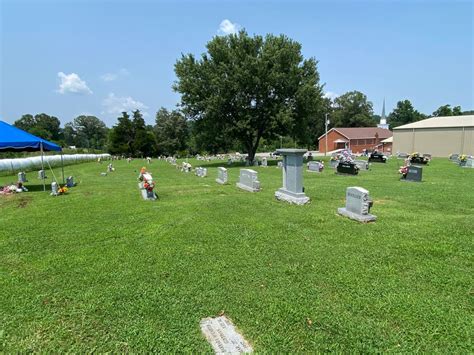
356	139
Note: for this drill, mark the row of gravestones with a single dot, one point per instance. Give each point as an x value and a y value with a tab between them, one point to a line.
358	202
467	163
42	176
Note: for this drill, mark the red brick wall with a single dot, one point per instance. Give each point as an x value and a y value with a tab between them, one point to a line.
356	145
332	136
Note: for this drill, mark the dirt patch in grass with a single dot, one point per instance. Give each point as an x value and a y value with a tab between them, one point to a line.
23	202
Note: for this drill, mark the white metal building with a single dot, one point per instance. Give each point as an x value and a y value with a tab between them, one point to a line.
439	136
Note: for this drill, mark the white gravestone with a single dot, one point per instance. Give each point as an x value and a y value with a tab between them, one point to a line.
201	172
314	167
358	204
469	163
264	162
292	190
42	175
221	176
362	164
22	177
248	180
54	189
223	336
280	164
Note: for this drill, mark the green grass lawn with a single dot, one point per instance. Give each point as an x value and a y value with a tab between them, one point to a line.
99	269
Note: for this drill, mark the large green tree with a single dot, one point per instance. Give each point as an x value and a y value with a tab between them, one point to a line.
248	88
404	113
87	132
447	110
143	143
353	109
171	131
121	136
41	125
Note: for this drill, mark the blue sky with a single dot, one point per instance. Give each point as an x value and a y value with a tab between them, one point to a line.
67	58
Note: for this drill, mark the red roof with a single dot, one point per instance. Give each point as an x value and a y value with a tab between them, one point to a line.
362	132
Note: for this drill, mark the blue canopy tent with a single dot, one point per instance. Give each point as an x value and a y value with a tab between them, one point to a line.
13	139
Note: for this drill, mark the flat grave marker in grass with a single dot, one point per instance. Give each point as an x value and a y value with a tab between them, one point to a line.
224	338
358	204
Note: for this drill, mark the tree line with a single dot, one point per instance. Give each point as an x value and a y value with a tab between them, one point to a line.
243	94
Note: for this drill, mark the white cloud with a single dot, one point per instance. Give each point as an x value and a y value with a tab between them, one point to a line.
72	83
227	27
114	76
116	105
330	95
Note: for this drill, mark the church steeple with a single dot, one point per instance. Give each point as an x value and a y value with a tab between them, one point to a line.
383	120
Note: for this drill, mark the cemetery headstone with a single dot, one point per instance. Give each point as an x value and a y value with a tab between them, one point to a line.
347	168
223	336
402	155
248	180
22	177
255	162
54	189
221	175
70	181
146	185
333	163
358	204
468	163
280	164
201	172
454	157
377	158
362	164
414	174
314	167
292	190
42	175
264	162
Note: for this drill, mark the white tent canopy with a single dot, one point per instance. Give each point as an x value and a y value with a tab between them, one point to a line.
22	164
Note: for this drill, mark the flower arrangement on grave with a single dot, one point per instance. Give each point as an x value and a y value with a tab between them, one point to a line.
62	190
149	185
146	178
346	157
414	155
463	158
404	171
142	171
321	166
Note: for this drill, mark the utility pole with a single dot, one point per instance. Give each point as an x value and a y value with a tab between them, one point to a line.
326	136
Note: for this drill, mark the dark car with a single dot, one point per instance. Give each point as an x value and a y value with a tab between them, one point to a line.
377	158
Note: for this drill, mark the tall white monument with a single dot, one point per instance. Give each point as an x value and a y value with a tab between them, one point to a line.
292	190
383	120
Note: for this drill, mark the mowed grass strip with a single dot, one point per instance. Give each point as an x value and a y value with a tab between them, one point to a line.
99	269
